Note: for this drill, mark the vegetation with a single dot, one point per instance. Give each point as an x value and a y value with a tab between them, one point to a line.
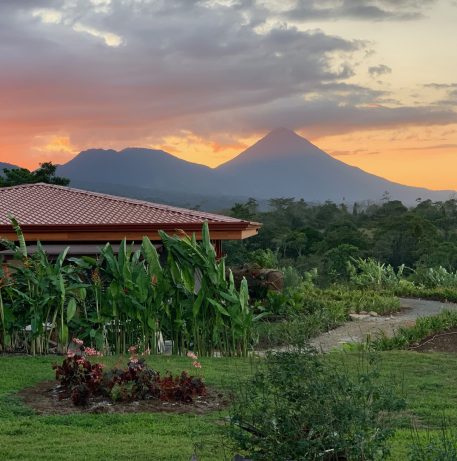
300	407
304	309
81	379
411	336
427	382
327	236
124	299
45	173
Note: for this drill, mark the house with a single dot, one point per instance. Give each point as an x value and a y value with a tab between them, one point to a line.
60	216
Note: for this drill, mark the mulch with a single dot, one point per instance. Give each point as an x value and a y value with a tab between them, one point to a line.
48	398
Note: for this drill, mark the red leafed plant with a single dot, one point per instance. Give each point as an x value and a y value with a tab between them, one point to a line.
81	380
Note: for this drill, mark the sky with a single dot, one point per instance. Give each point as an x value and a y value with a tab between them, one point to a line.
371	82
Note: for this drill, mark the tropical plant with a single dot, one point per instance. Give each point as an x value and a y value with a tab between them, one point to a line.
41	296
125	297
369	273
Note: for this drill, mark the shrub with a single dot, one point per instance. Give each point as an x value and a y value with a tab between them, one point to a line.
81	380
299	407
263	258
79	377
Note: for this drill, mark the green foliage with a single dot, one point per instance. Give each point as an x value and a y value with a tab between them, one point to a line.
336	259
299	407
119	300
371	274
263	258
433	277
327	236
307	311
46	173
37	298
440	446
423	328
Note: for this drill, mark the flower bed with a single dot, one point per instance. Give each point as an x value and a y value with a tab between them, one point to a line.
81	380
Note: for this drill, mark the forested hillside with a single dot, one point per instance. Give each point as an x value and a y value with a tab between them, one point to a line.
326	236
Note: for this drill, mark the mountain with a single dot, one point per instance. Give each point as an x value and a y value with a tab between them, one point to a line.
282	164
137	167
6	165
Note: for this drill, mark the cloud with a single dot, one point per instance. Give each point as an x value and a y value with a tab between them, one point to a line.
435	147
114	73
364	10
345	153
376	71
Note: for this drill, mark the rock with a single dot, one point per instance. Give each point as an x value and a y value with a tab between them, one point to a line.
373	314
358	316
363	312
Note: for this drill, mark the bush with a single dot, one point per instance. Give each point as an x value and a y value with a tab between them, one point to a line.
263	258
299	407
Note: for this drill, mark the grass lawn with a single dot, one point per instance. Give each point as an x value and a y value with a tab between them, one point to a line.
428	382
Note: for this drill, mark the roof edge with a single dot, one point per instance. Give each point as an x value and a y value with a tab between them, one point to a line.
140	227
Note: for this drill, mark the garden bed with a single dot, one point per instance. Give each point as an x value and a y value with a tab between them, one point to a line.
445	341
48	398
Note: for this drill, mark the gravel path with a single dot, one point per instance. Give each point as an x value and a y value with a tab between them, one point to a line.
357	330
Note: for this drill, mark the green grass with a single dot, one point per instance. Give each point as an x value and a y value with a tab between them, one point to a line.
25	436
426	380
424	327
443	294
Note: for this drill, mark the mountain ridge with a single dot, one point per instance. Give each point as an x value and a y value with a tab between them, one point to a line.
281	164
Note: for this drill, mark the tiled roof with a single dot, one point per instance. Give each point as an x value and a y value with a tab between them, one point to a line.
45	204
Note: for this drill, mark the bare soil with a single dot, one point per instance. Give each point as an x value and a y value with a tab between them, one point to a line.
48	398
445	341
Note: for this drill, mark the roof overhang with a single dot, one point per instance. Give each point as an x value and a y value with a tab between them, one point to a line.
132	232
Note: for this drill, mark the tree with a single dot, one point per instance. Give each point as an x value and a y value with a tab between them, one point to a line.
246	210
336	261
45	173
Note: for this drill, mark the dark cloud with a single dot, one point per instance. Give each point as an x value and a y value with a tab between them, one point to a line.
382	69
129	69
439	86
365	10
330	115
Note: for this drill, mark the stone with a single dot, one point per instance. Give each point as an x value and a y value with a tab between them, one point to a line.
358	316
373	314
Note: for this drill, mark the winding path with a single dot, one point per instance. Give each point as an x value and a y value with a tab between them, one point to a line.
358	330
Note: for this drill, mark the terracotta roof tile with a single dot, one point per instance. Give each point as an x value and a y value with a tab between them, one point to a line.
45	204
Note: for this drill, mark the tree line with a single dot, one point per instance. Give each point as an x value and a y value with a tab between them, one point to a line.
326	236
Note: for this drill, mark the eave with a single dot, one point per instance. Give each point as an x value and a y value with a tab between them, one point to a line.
132	232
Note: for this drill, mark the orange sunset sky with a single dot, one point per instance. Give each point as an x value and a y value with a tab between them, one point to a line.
372	82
